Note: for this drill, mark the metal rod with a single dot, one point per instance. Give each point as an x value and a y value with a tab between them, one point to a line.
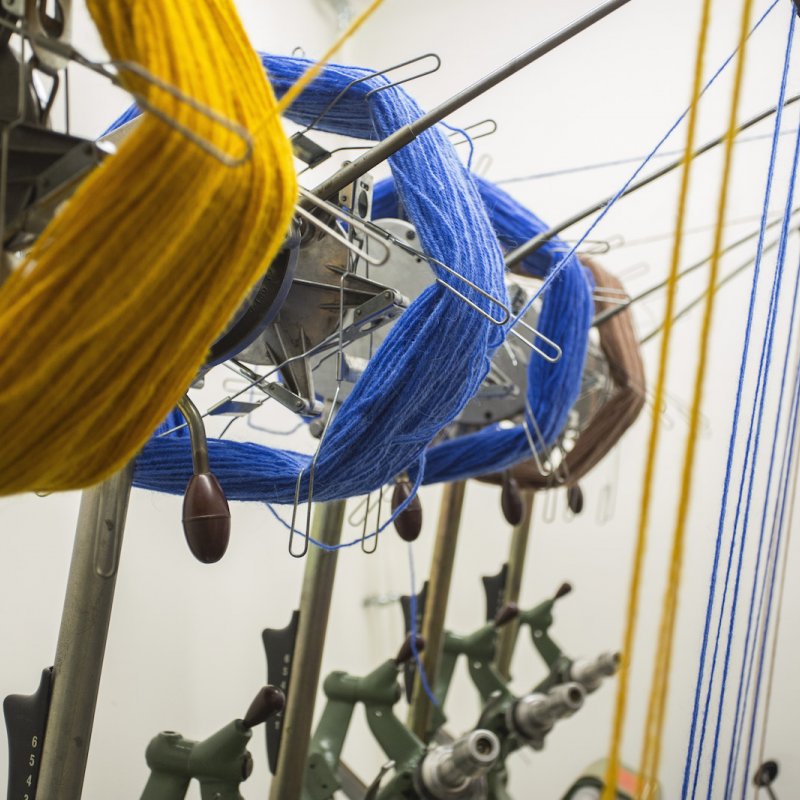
518	549
419	714
699	299
197	432
82	636
400	138
604	316
315	602
532	245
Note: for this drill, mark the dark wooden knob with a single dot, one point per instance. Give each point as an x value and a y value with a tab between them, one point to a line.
406	653
511	499
268	702
575	499
508	612
408	522
563	590
766	774
206	518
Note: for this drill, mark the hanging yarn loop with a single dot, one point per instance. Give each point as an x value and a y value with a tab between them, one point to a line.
111	315
566	317
420	378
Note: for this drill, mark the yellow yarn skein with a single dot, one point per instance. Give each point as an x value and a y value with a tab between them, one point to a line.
112	313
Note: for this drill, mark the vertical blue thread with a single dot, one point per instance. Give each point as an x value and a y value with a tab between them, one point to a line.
788	465
729	464
748	504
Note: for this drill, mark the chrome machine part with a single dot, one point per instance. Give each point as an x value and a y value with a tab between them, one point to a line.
457	770
54	27
327	305
411	275
41	167
533	715
590	673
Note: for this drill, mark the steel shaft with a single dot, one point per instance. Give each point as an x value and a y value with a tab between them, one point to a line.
507	636
436	604
82	636
315	602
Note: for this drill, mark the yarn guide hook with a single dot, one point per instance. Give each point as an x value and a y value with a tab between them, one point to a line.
381	233
400	244
336	100
313	154
71	54
325	427
351	220
545	467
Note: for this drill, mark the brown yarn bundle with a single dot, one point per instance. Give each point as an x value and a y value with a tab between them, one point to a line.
620	345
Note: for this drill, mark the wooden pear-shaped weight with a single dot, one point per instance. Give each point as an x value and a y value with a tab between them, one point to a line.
511	500
575	499
408	522
206	518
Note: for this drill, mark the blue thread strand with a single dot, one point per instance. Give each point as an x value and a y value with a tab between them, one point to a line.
565	318
331	548
596	221
742	695
423	676
788	465
767	351
731	450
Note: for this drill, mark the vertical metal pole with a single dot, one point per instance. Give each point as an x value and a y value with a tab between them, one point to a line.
315	603
516	565
82	636
419	716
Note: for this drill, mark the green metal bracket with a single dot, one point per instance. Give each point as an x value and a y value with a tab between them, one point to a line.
539	619
378	691
561	668
456	771
219	763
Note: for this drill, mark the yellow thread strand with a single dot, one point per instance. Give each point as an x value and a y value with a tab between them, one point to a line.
314	70
612	769
111	315
651	756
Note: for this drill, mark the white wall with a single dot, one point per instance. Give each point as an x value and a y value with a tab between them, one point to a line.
184	650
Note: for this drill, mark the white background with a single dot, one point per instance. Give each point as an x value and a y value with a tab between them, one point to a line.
184	650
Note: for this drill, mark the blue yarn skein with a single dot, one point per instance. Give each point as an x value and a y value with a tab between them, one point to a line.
419	379
566	318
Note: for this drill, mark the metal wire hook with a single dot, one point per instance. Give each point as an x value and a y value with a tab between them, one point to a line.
419	254
546	471
551	358
550	506
333	103
352	220
490	123
376	534
71	53
611	294
354	518
331	415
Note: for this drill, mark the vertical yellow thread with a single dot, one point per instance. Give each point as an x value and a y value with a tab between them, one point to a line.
314	70
609	791
111	315
651	755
